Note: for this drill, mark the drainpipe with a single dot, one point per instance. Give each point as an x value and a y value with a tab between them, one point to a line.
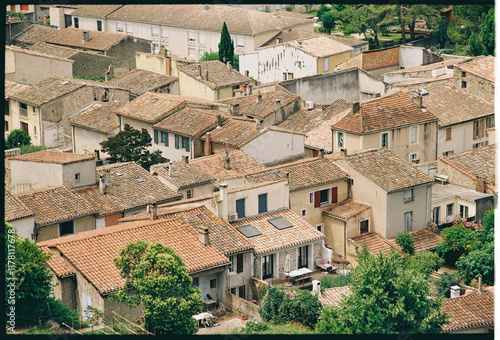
345	239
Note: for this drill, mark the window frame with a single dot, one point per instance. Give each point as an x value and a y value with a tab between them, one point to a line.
72	222
303	254
23	108
408	226
213	283
303	213
340	139
127	31
191	37
408	195
414	128
244	207
311	197
382	140
367	220
99	25
436	212
464	211
189	193
155	33
452	207
414	158
232	265
201	38
76	22
326	64
449	133
259	203
119	27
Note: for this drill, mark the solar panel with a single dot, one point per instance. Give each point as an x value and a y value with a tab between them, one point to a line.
249	230
280	222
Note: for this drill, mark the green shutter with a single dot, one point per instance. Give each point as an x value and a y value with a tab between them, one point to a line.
176	141
156	136
186	143
165	138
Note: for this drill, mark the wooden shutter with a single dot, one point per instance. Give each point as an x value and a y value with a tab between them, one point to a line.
448	133
334	195
239	263
482	122
241	291
474	132
176	141
317	199
156	136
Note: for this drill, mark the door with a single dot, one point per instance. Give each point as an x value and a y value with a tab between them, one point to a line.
303	258
24	127
267	266
86	303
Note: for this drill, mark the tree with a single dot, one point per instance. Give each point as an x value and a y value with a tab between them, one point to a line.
385	298
322	10
488	32
328	22
130	145
475	47
160	281
405	241
17	138
444	283
412	13
424	262
469	19
226	45
441	33
457	240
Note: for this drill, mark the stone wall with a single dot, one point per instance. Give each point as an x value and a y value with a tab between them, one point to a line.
125	51
317	251
478	86
256	285
242	306
92	65
381	58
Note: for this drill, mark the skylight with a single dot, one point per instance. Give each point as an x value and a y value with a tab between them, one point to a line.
201	216
379	107
138	179
118	174
154	100
280	222
248	230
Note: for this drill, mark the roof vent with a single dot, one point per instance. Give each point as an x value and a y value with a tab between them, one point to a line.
154	100
66	82
138	179
379	107
118	174
86	36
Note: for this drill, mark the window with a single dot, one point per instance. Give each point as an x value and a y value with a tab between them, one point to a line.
311	197
448	153
67	21
240	207
155	137
201	38
99	25
464	85
239	263
77	25
156	48
96	136
408	221
320	227
435	215
490	122
408	195
176	138
213	283
6	126
262	203
267	266
449	211
23	109
303	212
164	33
478	129
321	197
326	65
84	133
154	32
384	140
66	228
196	282
77	177
464	211
413	134
34	130
191	36
240	42
7	108
241	292
364	226
201	52
414	158
232	264
130	30
185	143
191	52
25	127
303	257
119	27
464	74
233	291
340	140
476	145
448	133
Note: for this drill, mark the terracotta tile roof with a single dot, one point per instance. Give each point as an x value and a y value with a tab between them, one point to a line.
273	239
236	133
240	163
443	192
249	106
469	311
99	117
105	204
305	173
47	156
13	87
36	33
36	53
131	187
475	163
56	205
387	170
219	75
396	110
189	122
424	81
57	265
452	105
481	66
286	36
140	81
73	37
95	11
92	252
54	50
332	296
183	175
346	209
320	47
423	239
14	209
238	20
286	160
47	90
221	235
374	243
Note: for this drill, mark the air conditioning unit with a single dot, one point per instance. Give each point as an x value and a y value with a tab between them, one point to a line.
309	105
233	217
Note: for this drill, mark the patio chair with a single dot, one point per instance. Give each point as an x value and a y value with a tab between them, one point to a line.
207	320
323	264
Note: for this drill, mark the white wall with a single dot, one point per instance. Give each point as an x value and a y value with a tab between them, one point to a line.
283	145
370	84
410	56
461	138
170	152
456	201
87	172
24	227
38	174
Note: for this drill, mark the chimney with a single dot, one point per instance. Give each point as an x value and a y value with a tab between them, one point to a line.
205	7
185	159
228	65
223	198
86	36
227	161
102	185
257	123
235	109
355	107
203	235
153	210
479	282
417	100
316	288
45	20
107	177
170	168
250	89
344	152
206	74
454	291
278	40
321	153
480	185
218	120
208	144
259	96
199	70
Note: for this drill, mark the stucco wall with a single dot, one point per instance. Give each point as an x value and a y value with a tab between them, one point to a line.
14	120
241	306
170	152
455	176
284	145
355	61
92	65
38	174
456	201
235	280
193	88
410	56
476	85
82	145
461	138
24	227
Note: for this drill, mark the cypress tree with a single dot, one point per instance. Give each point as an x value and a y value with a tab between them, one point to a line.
226	46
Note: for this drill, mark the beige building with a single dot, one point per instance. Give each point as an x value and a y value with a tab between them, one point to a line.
94	125
160	63
11	88
188	31
210	80
477	76
19	216
394	122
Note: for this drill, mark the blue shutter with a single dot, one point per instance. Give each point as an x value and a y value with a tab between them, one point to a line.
165	138
186	143
176	141
156	136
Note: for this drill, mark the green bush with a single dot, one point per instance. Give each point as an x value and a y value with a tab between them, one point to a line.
330	281
445	282
17	138
457	240
424	262
405	241
31	148
272	303
60	312
478	262
254	327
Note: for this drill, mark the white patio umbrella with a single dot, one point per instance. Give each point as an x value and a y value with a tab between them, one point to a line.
287	263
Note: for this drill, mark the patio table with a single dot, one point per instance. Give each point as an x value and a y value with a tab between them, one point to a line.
299	274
